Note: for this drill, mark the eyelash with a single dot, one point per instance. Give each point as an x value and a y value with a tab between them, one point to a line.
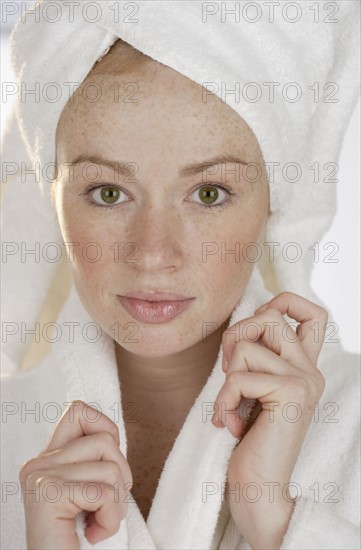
208	207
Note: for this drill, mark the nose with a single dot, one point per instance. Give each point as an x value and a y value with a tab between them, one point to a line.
159	237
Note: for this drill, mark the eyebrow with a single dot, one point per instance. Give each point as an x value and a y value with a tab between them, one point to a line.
127	169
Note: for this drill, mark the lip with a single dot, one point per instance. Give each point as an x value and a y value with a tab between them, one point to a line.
156	311
157	296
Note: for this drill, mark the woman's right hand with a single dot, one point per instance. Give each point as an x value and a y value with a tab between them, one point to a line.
82	468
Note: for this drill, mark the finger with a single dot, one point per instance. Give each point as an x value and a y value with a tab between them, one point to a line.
271	330
268	389
312	319
100	472
96	447
251	356
77	420
98	500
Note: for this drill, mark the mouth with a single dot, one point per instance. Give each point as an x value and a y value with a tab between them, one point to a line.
154	311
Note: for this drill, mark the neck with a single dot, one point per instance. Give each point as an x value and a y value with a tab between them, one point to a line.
177	378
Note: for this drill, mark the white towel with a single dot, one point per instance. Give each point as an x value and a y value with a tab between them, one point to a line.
223	53
179	517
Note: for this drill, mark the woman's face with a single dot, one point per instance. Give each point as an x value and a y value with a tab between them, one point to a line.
154	229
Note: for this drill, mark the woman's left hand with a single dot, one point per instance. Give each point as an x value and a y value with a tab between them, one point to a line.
275	368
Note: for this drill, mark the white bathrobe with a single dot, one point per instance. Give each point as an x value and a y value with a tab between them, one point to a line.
188	510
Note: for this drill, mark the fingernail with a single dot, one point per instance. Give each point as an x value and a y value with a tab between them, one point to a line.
224	362
216	420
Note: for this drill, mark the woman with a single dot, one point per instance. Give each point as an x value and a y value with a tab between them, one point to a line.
160	187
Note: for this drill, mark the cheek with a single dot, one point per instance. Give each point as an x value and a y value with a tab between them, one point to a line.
229	254
94	249
227	261
231	245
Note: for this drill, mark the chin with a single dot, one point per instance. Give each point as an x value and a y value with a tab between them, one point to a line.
158	341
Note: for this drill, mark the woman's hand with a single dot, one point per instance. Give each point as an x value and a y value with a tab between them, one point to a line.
81	468
274	369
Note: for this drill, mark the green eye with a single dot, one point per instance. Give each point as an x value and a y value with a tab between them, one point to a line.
109	194
208	194
106	195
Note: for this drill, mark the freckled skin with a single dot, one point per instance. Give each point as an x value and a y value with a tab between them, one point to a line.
148	446
165	368
168	127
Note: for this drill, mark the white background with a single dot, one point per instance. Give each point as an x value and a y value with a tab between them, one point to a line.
336	284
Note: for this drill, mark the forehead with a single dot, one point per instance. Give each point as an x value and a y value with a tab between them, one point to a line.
149	106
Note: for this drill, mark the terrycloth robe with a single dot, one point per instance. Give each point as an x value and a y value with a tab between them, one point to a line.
221	53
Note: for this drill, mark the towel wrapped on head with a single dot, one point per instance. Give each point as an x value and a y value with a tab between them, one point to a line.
292	76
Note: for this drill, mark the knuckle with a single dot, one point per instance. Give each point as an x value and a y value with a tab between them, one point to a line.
106	438
115	429
234	377
323	313
287	294
297	387
75	409
28	467
114	471
94	491
76	403
274	314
